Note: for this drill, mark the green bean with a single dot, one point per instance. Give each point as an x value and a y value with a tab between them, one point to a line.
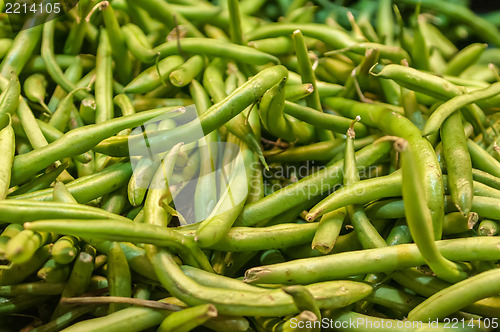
185	73
65	249
458	162
316	151
218	281
420	51
64	320
303	299
413	79
359	193
323	120
307	76
117	40
165	13
411	107
294	194
328	230
7	151
126	231
5	45
22	49
187	319
61	116
488	228
21	303
457	296
445	110
9	99
52	66
78	281
455	222
206	189
393	124
20	211
21	247
482	160
90	187
385	22
275	46
150	79
400	234
271	114
38	65
385	260
342	318
53	272
138	44
218	114
17	272
116	201
154	213
10	231
365	231
276	303
419	219
465	58
35	88
32	288
218	48
80	140
73	73
41	182
119	278
233	197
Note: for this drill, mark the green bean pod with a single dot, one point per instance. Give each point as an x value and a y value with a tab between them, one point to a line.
187	319
359	193
394	124
65	249
9	232
328	230
458	163
23	245
9	99
128	231
277	303
227	209
80	140
53	272
457	296
7	151
342	265
17	272
35	88
482	160
420	221
185	73
117	40
464	59
120	283
445	110
488	227
41	182
153	77
271	114
218	48
78	281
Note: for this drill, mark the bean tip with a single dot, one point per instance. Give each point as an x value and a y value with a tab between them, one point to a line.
311	216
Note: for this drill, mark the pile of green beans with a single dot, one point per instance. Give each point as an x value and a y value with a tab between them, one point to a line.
250	165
